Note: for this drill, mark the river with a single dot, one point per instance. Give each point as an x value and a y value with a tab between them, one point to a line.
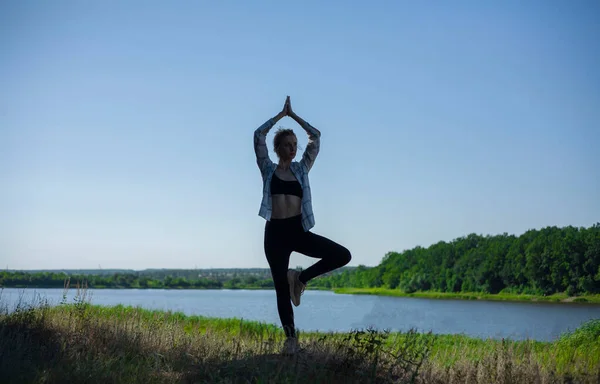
326	311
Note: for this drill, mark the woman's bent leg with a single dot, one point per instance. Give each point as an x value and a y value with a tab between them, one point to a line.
277	251
332	255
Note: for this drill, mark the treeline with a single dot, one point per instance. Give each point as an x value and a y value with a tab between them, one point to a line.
127	280
220	274
541	262
213	278
234	278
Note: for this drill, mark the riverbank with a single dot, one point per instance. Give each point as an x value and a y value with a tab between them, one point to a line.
556	298
131	345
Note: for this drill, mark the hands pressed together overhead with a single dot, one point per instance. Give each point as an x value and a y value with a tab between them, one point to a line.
287	108
287	111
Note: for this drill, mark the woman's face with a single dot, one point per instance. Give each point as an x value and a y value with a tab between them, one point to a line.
287	149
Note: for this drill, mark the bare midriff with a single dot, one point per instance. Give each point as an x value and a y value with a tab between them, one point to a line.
285	206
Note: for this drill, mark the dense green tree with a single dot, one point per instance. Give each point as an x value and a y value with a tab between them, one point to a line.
546	261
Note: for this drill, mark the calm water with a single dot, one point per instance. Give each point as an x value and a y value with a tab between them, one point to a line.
326	311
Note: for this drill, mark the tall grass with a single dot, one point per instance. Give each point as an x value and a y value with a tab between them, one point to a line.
81	342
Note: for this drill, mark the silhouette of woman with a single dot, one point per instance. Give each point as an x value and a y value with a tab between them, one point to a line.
287	208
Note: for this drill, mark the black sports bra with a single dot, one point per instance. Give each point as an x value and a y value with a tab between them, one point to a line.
285	187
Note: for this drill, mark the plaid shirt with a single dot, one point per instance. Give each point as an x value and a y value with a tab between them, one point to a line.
299	169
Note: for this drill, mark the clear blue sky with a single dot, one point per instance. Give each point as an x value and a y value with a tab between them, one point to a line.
126	126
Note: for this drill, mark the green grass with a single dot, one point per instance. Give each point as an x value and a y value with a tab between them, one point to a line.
557	298
80	341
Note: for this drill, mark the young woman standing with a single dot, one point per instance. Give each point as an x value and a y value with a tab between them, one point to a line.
287	208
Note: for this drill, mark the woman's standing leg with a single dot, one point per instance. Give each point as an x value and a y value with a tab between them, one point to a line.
278	248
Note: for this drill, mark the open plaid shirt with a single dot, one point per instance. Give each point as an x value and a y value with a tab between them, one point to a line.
299	169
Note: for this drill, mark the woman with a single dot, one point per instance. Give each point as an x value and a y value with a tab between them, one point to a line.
287	208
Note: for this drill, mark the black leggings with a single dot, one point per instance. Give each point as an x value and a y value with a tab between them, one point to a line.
282	236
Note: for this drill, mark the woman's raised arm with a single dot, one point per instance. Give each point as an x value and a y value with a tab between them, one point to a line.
314	138
260	138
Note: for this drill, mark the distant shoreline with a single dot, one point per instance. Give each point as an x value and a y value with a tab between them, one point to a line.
556	298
